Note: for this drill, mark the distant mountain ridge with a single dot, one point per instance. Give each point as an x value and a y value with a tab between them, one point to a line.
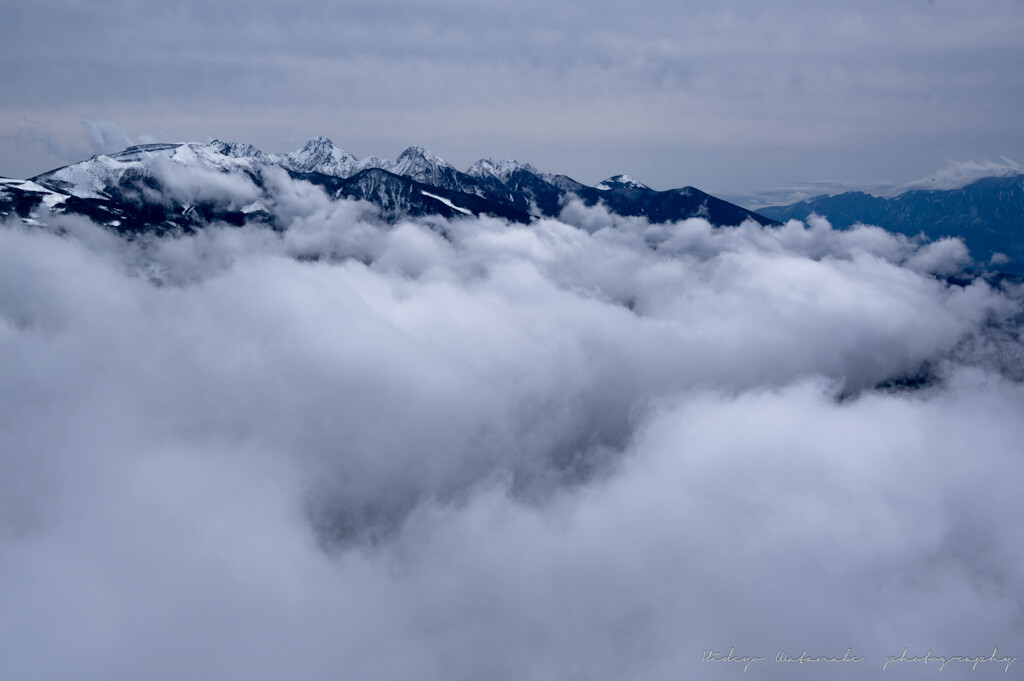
161	187
987	213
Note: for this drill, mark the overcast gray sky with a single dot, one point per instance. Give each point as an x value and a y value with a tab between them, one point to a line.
730	97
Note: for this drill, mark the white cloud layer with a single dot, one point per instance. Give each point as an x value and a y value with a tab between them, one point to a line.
585	448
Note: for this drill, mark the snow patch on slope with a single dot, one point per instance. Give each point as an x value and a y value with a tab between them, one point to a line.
446	202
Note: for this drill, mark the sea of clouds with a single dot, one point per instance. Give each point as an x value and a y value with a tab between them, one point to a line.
585	448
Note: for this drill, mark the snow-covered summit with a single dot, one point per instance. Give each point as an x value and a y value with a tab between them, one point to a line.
319	155
236	149
488	167
619	182
91	178
212	157
418	157
421	165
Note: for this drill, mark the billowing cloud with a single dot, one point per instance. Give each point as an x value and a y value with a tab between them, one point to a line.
587	447
191	184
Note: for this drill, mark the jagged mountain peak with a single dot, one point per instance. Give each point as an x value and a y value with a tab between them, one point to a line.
321	145
621	182
422	165
319	155
235	149
318	142
488	167
421	156
416	150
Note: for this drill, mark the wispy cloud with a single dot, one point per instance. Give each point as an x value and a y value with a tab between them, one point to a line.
956	174
105	136
953	175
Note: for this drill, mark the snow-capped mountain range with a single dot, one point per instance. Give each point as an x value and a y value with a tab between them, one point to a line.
161	187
